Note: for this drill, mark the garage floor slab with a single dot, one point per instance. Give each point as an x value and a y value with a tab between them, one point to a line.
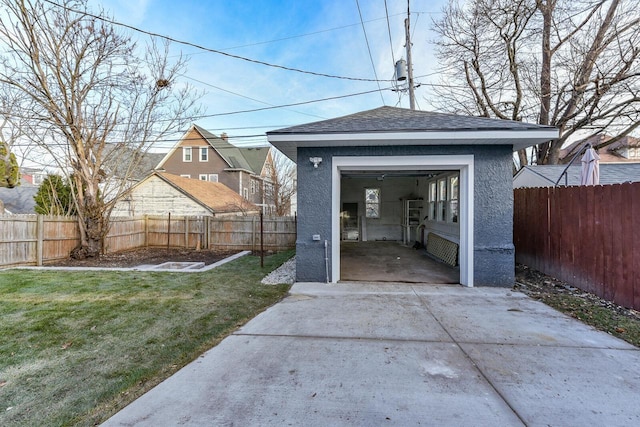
360	354
392	262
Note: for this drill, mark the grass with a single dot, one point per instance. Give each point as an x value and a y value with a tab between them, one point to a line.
603	315
602	318
78	346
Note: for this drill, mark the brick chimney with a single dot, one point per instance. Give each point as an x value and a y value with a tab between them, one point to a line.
224	136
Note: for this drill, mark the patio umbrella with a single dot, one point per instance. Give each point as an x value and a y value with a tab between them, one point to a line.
590	172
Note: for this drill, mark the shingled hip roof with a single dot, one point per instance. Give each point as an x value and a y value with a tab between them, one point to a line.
400	126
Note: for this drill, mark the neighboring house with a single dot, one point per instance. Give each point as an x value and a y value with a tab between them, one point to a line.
145	164
626	149
548	175
32	176
201	155
369	175
163	193
19	200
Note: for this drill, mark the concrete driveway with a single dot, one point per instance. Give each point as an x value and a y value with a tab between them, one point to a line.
402	355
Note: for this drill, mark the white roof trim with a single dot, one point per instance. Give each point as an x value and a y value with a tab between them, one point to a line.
421	135
288	143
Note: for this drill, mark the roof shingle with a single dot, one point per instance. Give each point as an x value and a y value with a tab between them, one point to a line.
393	119
214	195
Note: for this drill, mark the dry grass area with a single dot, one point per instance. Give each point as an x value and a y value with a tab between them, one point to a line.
604	315
78	346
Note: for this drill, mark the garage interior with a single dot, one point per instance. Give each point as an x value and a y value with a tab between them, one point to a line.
400	226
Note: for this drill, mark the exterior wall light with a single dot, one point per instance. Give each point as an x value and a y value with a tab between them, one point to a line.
316	161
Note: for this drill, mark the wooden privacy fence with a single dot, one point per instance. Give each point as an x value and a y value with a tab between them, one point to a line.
587	236
38	239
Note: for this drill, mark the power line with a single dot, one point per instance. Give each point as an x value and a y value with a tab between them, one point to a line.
219	52
301	35
366	39
204	116
393	57
331	98
248	97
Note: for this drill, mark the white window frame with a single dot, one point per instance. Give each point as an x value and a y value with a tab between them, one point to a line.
433	197
203	177
213	177
442	199
453	194
204	154
187	154
367	203
245	193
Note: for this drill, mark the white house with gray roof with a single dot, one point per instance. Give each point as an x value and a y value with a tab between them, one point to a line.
548	175
403	175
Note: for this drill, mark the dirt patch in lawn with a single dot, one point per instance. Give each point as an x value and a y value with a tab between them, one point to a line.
146	256
587	307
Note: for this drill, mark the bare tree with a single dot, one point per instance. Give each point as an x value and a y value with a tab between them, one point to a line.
571	64
82	87
280	184
9	168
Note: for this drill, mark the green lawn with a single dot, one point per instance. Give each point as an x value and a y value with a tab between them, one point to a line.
75	347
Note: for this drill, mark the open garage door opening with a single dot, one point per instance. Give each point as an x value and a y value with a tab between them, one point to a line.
400	226
397	222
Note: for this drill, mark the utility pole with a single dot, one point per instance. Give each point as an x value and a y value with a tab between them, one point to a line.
412	101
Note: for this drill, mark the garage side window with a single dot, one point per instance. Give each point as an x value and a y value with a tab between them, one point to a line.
453	198
433	191
442	200
372	202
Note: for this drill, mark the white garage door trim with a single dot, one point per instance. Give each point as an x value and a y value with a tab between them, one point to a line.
462	163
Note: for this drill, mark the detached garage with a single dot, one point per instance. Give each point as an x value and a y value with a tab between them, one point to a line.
396	178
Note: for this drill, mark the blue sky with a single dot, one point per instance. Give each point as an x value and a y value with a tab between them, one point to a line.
323	36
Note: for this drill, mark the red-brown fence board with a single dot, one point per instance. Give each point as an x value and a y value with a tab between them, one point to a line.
586	236
635	232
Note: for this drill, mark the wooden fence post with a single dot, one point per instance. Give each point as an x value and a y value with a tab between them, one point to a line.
186	232
261	240
169	231
253	233
146	230
40	239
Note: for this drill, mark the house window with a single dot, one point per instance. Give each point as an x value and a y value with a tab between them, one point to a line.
202	177
433	192
442	200
204	154
186	154
372	202
245	193
213	177
454	188
185	176
254	186
632	153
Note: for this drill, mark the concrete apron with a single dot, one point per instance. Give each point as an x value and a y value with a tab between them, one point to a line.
402	355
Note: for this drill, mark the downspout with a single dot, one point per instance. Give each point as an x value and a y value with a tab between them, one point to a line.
326	259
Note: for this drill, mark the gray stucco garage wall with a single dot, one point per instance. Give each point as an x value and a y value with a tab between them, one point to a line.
493	211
